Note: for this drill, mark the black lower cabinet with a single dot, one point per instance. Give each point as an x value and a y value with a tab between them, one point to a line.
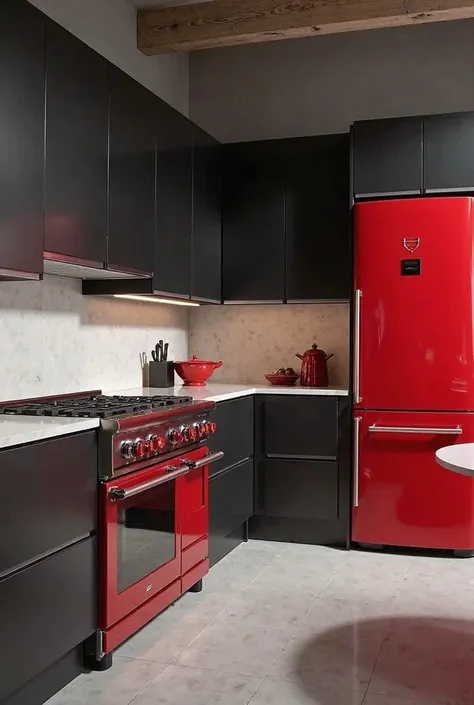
302	470
51	608
234	420
231	481
300	489
49	496
230	506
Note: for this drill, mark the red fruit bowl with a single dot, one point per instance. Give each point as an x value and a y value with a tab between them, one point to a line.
282	380
194	373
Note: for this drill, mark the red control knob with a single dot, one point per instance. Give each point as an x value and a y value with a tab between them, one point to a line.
202	429
139	449
176	437
212	426
161	443
152	441
192	433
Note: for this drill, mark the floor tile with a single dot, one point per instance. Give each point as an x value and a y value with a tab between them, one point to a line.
274	692
290	624
179	685
286	574
368	574
248	649
441	596
259	606
445	565
164	638
328	664
384	700
117	686
427	660
355	620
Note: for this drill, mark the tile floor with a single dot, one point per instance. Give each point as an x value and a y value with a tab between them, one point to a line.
286	624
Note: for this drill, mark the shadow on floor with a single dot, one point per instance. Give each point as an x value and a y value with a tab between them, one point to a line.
423	658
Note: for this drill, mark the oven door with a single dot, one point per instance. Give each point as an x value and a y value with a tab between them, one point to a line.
141	536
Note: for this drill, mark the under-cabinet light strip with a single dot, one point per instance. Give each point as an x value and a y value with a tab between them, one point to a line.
155	299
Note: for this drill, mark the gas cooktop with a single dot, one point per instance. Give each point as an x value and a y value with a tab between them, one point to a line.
95	406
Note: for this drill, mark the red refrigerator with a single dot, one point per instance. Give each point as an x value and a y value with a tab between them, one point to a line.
413	378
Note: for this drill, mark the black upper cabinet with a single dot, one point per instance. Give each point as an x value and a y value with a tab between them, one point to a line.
387	157
174	201
131	231
318	252
76	149
207	219
22	72
449	153
253	223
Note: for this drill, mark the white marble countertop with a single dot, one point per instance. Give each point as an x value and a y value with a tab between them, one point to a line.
19	430
223	392
458	458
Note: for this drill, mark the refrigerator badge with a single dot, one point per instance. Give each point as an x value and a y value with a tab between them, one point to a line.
411	243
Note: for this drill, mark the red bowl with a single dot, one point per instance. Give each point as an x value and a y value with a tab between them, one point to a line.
194	373
282	380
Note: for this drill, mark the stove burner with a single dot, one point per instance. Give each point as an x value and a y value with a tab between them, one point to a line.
100	406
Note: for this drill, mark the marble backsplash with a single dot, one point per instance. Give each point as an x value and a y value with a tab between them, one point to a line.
254	340
54	340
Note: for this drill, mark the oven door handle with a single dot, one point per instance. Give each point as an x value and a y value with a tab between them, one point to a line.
209	458
116	494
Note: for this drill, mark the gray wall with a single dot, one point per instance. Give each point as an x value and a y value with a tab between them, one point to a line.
109	27
322	84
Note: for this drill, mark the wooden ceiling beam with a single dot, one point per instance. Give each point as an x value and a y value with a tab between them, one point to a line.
219	23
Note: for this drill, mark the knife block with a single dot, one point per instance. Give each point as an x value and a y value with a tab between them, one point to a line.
161	374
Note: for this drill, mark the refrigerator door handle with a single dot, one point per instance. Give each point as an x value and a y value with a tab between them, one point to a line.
357	301
455	431
355	492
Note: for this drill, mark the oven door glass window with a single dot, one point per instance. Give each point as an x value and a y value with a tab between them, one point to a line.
146	534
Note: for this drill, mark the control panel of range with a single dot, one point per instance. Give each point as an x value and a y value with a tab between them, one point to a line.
163	438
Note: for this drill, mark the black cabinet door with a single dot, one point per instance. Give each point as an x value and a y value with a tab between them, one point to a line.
387	157
51	609
230	499
301	426
49	494
253	226
207	222
318	252
448	153
300	489
131	232
235	431
174	202
77	105
22	76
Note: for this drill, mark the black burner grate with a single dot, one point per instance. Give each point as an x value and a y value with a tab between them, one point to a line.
95	406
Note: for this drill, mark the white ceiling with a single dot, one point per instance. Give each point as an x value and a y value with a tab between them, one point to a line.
163	3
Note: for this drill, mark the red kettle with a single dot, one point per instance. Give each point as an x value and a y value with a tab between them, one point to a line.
314	368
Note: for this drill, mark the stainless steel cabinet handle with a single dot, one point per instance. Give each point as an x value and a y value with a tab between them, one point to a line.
355	493
116	494
455	431
210	458
358	297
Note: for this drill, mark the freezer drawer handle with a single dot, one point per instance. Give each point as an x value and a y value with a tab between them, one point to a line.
355	493
116	494
358	297
456	431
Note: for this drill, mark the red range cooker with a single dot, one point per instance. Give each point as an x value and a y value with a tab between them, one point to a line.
153	512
